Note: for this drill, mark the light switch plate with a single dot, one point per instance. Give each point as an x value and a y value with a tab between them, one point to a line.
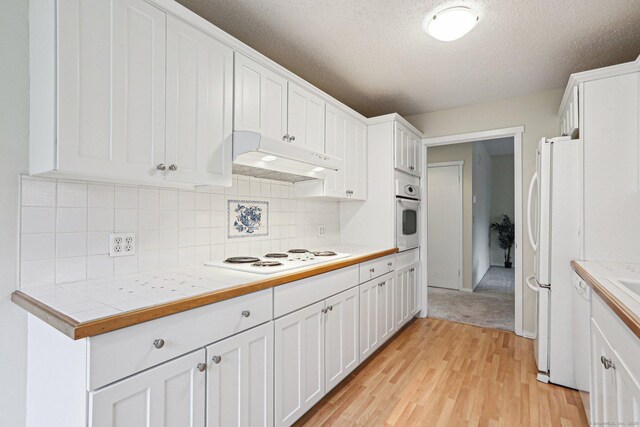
122	244
322	231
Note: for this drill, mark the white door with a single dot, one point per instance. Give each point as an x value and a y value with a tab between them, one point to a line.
341	336
260	99
604	393
402	141
414	289
402	296
335	139
169	395
369	318
199	106
306	119
386	324
444	246
240	379
628	393
111	88
417	155
299	363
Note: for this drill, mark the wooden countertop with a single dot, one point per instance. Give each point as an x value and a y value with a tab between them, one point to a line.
77	330
619	308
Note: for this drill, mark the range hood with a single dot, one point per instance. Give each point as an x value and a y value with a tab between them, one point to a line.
256	155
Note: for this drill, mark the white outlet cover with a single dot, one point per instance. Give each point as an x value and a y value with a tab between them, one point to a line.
321	231
122	244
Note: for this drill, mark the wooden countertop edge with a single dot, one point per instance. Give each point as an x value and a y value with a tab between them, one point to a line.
628	318
77	330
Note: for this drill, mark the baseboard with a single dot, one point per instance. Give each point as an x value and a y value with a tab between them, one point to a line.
466	290
528	334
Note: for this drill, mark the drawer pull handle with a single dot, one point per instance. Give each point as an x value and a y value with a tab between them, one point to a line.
159	343
216	359
246	313
201	367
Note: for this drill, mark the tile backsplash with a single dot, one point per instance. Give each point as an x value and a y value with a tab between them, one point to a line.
65	226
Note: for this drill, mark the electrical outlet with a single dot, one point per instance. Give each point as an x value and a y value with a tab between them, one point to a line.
122	244
322	231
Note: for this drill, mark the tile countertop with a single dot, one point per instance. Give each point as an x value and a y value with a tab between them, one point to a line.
92	307
623	302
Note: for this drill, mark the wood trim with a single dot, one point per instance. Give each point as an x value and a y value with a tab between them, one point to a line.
621	310
77	330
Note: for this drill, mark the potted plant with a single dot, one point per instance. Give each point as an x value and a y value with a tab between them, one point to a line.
506	236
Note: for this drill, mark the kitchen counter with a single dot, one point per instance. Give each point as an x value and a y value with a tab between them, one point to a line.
624	303
93	307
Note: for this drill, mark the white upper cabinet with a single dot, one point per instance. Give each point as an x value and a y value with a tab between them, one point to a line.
407	148
140	95
110	91
355	161
570	117
306	119
172	394
260	103
335	140
199	106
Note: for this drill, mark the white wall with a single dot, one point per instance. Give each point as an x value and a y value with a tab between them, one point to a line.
14	128
482	195
537	113
502	200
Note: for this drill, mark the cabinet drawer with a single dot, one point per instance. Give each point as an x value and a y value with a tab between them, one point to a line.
377	267
120	353
301	293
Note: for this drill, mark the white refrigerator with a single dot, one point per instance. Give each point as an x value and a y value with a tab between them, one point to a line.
554	228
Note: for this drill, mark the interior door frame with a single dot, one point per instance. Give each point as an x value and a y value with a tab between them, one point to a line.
460	166
515	132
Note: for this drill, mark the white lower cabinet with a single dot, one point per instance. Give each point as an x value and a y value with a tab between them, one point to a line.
299	362
341	336
169	395
407	292
240	379
376	313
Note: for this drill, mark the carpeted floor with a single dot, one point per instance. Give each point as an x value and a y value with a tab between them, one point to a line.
490	305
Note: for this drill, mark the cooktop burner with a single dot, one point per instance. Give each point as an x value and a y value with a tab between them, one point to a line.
266	263
276	255
324	253
241	260
298	251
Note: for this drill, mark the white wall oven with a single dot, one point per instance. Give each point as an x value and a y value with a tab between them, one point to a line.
407	213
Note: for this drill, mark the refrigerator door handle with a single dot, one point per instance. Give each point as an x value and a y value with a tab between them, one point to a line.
531	286
534	179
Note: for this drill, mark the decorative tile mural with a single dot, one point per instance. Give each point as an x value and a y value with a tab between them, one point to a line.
247	218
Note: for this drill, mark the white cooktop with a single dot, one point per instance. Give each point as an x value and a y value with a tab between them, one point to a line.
292	262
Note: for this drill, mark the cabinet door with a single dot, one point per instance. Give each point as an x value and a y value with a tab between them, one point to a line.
404	154
627	392
260	99
369	318
341	336
604	393
199	106
169	395
356	160
240	379
386	289
417	155
306	119
111	88
299	363
335	134
402	295
414	297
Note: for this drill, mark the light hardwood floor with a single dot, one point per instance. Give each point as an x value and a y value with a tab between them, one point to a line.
441	373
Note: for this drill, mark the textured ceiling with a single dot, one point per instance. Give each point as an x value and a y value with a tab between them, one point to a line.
373	55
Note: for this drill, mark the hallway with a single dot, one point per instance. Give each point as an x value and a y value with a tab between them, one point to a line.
490	305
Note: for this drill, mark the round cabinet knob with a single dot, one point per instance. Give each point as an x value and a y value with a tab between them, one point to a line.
372	270
331	307
201	367
161	167
173	167
159	343
246	313
292	138
286	137
389	264
216	359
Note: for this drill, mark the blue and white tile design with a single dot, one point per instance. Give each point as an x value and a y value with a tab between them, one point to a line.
247	218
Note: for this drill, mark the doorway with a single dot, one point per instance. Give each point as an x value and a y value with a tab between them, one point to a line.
444	264
485	278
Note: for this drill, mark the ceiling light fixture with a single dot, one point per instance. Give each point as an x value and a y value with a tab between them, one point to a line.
269	158
450	24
